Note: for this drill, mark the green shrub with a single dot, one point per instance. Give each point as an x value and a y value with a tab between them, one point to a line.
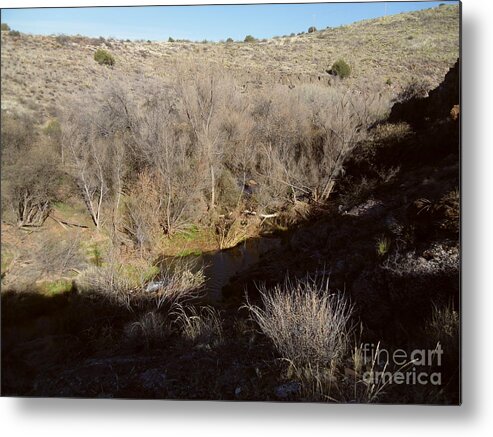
171	39
5	27
103	57
383	246
341	68
229	40
249	38
15	33
312	29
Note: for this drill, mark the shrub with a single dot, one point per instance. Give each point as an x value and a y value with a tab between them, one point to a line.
127	286
230	40
14	33
444	324
341	68
307	325
444	328
312	29
103	57
5	27
249	38
62	39
56	256
152	327
309	328
171	39
199	325
414	89
33	183
383	246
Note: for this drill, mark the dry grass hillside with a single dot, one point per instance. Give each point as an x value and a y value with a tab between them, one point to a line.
38	72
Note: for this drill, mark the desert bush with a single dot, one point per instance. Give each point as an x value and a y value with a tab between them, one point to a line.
307	324
103	57
171	39
56	256
312	29
152	327
230	40
129	286
33	182
141	219
199	326
249	38
413	89
341	69
309	327
178	282
230	230
62	39
229	191
5	27
14	33
443	326
17	135
304	135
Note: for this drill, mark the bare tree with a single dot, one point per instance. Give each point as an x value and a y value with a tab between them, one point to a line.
31	182
203	101
88	160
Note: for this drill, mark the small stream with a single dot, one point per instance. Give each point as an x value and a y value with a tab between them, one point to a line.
221	266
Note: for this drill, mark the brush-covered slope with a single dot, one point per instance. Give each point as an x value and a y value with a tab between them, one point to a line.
39	72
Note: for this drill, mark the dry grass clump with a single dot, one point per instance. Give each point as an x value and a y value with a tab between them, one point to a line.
448	211
199	326
307	324
152	327
177	283
443	327
309	327
132	289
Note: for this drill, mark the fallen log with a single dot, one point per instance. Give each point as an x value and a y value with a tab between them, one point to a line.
264	216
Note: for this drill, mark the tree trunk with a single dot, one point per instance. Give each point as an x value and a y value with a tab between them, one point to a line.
213	189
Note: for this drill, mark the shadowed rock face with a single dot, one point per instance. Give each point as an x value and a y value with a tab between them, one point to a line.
439	104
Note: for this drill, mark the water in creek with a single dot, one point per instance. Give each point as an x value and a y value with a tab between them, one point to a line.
221	266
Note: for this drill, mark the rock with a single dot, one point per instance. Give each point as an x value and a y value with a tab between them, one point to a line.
288	390
153	379
370	206
155	286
